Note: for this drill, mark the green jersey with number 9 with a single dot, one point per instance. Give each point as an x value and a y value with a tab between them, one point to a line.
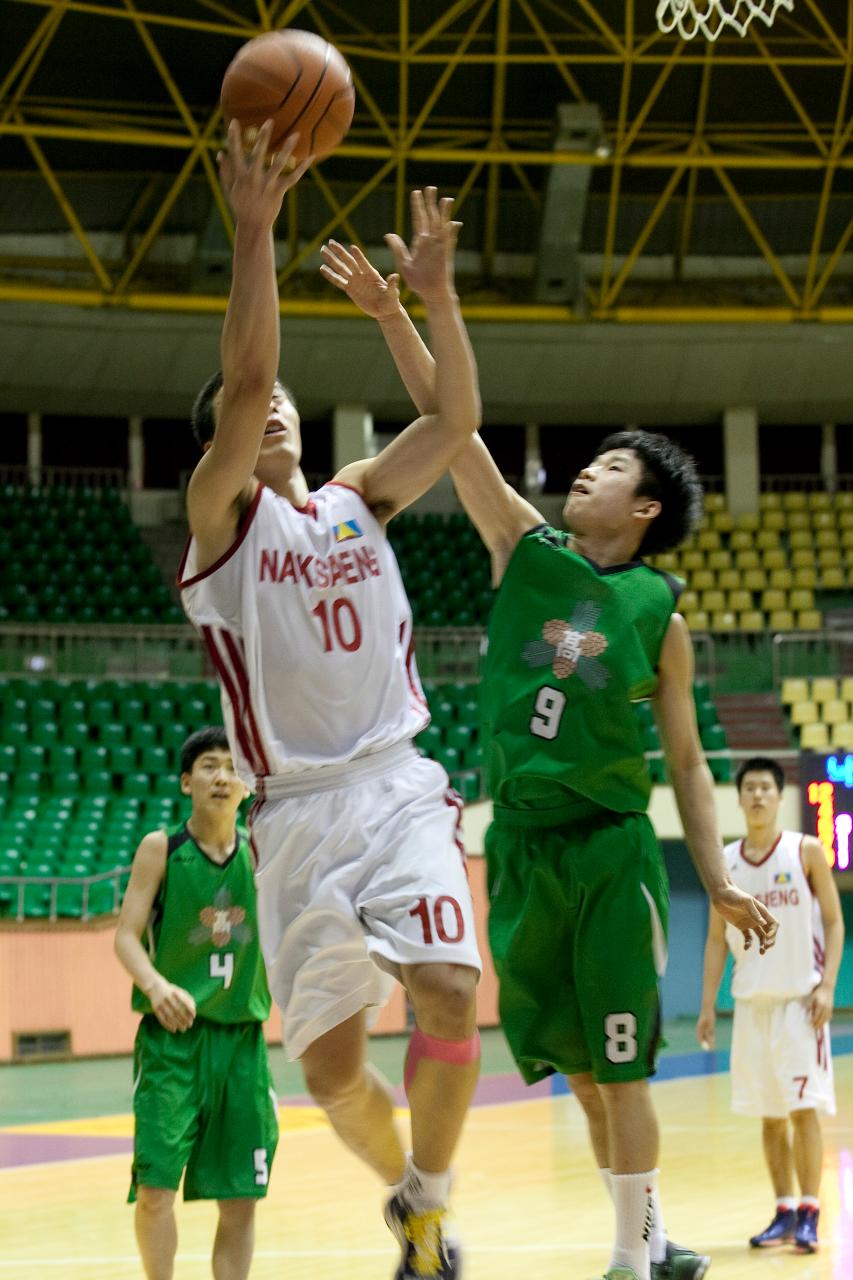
203	933
571	646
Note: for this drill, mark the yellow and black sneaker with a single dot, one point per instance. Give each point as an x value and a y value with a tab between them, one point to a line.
429	1252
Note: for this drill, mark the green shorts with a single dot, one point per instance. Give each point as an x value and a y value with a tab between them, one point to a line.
577	927
204	1102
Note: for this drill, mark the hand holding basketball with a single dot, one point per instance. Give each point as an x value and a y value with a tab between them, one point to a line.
427	266
350	271
253	180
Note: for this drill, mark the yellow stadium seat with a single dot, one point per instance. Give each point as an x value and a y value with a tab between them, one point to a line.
723	620
748	520
824	689
835	712
722	521
845	519
740	601
774	559
754	580
697	620
825	520
765	539
688	600
819	501
773	598
847	533
715	502
814	736
774	521
794	689
810	620
668	561
804	713
827	538
769	501
794	501
748	559
781	620
708	540
803	558
805	578
800	538
829	557
844	500
719	560
703	580
846	690
801	599
713	601
781	579
742	541
691	560
799	521
729	579
751	620
841	736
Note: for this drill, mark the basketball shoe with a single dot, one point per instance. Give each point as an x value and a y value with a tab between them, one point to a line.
428	1252
805	1235
680	1264
780	1231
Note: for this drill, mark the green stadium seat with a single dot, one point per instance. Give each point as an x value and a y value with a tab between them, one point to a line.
173	736
136	784
706	714
460	736
16	733
468	785
69	900
429	739
68	782
144	735
98	781
132	711
714	737
101	899
36	901
166	784
155	759
448	757
122	759
76	734
45	733
92	755
112	734
29	782
442	711
62	758
8	757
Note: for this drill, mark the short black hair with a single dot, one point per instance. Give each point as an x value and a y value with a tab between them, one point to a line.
760	764
211	738
669	476
202	419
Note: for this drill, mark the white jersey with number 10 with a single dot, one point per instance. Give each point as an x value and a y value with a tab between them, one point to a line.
307	624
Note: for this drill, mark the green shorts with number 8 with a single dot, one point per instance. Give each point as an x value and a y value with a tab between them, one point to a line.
204	1102
577	928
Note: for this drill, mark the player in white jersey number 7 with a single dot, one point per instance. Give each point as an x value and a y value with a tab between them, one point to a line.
300	602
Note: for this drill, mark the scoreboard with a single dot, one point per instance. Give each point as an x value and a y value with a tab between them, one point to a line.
826	789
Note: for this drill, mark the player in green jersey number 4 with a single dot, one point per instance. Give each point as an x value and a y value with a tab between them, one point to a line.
203	1097
581	629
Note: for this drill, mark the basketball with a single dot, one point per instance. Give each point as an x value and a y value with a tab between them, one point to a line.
300	82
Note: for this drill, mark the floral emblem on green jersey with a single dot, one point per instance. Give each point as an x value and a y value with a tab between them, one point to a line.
571	648
222	922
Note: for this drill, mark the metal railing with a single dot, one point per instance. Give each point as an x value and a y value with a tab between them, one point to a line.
128	652
811	653
23	476
85	884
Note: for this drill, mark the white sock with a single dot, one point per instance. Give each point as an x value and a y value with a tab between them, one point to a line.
657	1240
426	1190
633	1199
786	1202
607	1179
809	1202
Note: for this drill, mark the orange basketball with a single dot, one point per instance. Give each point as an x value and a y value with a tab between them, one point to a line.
298	80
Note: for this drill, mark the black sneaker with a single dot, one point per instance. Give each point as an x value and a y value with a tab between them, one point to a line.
805	1235
428	1252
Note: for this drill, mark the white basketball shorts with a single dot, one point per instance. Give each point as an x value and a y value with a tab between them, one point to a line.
779	1062
354	880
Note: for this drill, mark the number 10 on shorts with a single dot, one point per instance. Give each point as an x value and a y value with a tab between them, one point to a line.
440	918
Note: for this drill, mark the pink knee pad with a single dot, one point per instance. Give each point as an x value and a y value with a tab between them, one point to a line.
460	1053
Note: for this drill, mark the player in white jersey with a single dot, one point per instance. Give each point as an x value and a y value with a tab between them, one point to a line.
300	602
781	1065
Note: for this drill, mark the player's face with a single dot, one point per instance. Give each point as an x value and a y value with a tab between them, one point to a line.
282	441
759	796
213	783
604	500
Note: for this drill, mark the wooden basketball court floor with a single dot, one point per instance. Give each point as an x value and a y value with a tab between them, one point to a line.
528	1200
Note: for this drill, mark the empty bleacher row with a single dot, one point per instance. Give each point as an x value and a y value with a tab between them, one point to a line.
820	711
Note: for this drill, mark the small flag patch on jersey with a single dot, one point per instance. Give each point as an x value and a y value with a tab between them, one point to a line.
347	529
782	877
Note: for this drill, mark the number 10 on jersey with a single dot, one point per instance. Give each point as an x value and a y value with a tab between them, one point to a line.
340	624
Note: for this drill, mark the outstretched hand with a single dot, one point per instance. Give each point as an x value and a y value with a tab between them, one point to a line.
350	271
253	180
427	264
748	915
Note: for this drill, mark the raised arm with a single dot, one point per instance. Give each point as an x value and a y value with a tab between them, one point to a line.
675	713
500	514
420	454
255	185
173	1006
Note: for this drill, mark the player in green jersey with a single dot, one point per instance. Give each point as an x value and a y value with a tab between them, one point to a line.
582	628
203	1098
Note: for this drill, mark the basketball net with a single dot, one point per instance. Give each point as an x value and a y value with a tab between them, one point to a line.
710	18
